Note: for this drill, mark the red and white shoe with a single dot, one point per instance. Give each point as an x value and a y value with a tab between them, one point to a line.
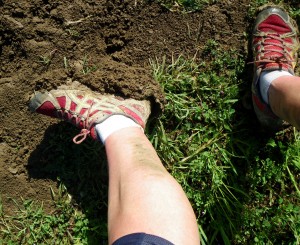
85	109
275	44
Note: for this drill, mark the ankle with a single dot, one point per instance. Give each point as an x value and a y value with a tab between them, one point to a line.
113	124
266	78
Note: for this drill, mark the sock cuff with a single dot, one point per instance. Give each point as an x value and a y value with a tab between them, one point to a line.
113	124
266	78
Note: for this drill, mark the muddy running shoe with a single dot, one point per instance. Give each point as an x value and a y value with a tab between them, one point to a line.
85	109
274	44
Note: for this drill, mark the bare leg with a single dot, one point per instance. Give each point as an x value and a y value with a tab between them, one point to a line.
143	196
284	99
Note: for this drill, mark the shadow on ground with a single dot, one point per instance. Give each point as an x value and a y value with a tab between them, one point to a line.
80	168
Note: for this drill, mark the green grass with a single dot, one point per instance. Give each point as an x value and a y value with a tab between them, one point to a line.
31	225
45	60
193	135
87	67
185	5
243	183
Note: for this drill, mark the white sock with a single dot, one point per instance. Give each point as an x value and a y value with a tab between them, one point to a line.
113	124
265	80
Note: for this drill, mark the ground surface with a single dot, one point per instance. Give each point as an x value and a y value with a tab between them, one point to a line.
105	45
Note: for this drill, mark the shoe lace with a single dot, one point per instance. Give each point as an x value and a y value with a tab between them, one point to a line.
85	131
79	138
267	50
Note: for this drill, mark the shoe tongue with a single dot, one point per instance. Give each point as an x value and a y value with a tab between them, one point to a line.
274	24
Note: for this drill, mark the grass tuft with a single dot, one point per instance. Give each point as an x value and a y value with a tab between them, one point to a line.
185	5
87	67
